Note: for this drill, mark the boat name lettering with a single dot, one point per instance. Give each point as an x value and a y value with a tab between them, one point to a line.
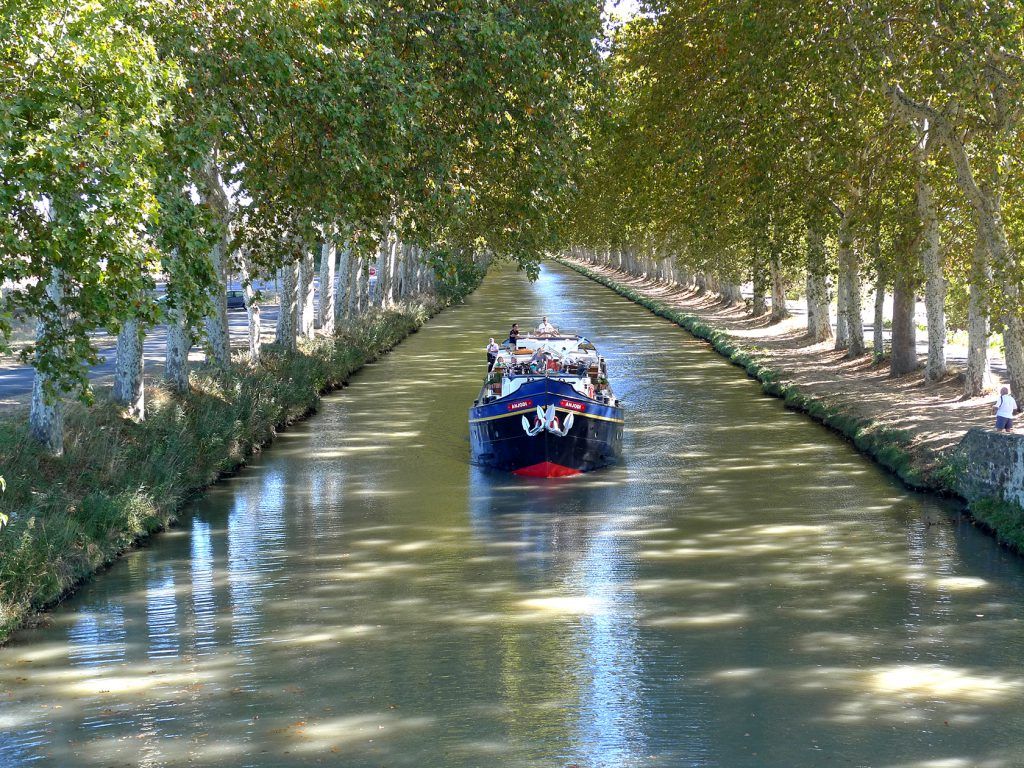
520	404
573	405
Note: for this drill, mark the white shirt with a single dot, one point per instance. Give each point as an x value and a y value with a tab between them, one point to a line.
546	328
493	347
1005	406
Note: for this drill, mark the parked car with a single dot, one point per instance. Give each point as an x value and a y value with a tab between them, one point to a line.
236	300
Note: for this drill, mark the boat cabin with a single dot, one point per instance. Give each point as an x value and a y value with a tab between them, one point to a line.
567	357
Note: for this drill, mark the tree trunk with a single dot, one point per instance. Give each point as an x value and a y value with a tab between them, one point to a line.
344	290
1001	257
252	308
851	337
305	304
326	308
129	387
931	262
390	287
216	322
217	330
358	287
844	256
779	310
179	343
819	323
46	411
1013	345
878	326
758	305
978	374
903	358
287	320
376	288
46	417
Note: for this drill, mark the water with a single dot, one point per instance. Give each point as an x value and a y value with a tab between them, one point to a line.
745	590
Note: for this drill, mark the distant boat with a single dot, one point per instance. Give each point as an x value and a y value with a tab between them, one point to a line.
547	410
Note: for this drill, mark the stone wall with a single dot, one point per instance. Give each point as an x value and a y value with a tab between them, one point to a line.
990	465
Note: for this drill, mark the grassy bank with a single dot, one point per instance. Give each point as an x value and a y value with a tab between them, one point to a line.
892	448
119	481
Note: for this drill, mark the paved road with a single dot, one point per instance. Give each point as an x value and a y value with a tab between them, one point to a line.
16	380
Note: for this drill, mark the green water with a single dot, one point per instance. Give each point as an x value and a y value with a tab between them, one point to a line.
745	590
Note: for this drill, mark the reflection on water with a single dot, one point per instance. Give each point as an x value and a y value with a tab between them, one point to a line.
744	590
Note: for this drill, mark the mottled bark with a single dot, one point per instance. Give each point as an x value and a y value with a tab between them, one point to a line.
386	274
46	417
978	373
1013	346
932	264
179	343
360	288
849	325
819	323
326	307
305	304
991	228
46	409
779	309
129	387
759	304
287	319
252	308
878	324
344	290
903	357
732	294
216	321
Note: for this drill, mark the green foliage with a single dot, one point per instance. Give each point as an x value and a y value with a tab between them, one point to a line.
1004	518
729	130
82	102
950	472
135	135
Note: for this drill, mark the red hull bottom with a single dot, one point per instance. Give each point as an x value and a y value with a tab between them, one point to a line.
546	469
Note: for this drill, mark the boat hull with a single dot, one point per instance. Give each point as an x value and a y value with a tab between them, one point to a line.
545	429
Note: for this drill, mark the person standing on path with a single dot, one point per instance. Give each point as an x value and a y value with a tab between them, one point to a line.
1006	406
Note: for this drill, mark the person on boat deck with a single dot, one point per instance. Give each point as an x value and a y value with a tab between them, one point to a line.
545	326
581	368
540	360
513	336
492	353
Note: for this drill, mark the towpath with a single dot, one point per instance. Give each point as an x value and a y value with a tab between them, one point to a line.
934	415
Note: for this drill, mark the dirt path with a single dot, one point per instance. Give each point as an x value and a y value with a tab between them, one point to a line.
934	416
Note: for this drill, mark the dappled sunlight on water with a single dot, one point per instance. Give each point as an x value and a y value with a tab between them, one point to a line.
744	590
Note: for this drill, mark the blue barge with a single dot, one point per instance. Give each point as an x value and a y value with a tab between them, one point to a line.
547	410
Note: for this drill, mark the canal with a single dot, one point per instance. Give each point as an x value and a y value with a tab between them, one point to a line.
744	590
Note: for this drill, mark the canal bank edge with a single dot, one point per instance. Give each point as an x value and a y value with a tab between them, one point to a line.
985	469
119	482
